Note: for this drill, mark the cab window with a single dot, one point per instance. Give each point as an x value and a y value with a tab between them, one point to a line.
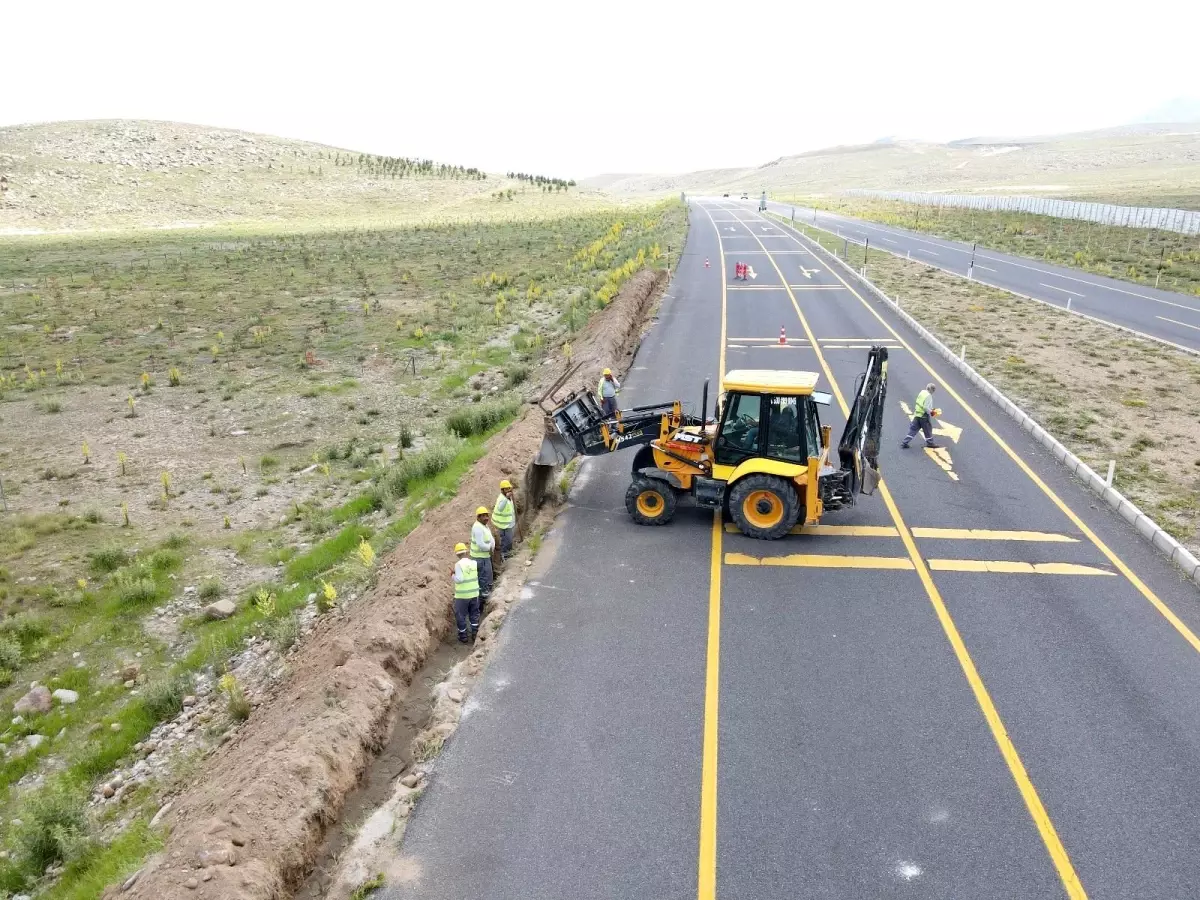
786	430
739	437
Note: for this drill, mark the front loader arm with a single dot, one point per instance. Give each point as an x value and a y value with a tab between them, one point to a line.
579	427
858	449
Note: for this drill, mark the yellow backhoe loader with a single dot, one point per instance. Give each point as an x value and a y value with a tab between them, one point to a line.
764	458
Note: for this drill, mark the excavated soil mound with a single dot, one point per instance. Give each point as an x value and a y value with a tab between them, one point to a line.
249	827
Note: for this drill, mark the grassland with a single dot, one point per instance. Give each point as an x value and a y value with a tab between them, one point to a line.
1104	395
220	414
1139	255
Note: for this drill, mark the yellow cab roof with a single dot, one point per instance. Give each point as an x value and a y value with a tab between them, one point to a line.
771	381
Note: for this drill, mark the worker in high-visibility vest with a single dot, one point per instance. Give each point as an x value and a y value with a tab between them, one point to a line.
466	595
607	391
922	418
504	517
482	545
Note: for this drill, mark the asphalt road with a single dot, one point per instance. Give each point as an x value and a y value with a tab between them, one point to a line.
1166	315
967	687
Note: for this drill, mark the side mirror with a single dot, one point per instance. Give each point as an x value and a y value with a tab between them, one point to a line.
822	397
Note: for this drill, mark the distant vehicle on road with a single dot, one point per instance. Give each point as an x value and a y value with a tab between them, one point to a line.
745	196
724	195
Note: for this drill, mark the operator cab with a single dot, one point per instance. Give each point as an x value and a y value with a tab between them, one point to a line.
772	414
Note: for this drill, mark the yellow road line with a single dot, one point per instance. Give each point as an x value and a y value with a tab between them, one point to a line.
821	561
1037	811
984	534
707	858
1167	613
1009	567
836	530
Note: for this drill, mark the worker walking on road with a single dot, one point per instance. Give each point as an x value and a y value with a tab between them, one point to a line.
482	545
504	517
922	418
466	595
607	390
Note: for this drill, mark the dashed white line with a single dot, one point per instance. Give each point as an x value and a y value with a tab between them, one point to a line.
1057	288
930	252
985	268
1174	322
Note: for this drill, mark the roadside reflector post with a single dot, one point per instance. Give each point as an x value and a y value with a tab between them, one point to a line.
1068	303
1112	470
962	354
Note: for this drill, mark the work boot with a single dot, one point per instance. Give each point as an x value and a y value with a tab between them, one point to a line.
463	639
904	445
931	445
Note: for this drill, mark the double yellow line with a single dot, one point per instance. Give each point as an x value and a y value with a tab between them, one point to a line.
708	790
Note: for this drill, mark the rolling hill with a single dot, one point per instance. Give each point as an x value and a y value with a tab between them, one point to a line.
68	176
1135	163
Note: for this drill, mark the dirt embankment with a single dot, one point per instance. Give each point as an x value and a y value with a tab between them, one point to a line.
250	826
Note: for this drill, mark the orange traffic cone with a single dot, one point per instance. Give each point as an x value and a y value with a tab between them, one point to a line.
782	337
706	262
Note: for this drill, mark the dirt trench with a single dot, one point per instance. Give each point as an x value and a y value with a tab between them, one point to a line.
253	822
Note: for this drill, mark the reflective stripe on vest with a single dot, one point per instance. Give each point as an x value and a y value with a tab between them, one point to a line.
924	402
480	549
468	571
503	514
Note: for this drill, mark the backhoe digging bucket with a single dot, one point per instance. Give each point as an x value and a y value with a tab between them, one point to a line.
556	450
859	447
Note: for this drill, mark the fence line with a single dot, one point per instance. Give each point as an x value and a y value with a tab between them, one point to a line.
1183	221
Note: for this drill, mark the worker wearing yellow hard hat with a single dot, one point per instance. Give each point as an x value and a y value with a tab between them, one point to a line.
922	418
482	545
466	594
504	517
607	391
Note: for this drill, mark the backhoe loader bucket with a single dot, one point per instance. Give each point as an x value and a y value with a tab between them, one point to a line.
556	450
859	447
565	427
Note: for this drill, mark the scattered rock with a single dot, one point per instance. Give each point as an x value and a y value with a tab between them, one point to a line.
221	609
190	589
108	791
62	695
206	875
18	720
115	726
161	814
130	670
130	683
237	840
36	701
189	701
411	780
191	884
33	741
455	694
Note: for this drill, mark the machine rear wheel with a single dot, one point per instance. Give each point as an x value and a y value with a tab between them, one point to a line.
650	501
764	506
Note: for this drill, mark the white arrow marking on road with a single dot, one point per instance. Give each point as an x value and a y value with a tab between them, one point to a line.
808	273
750	271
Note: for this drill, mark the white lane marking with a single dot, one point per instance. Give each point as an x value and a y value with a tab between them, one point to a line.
907	871
930	252
985	268
1056	288
889	241
1173	322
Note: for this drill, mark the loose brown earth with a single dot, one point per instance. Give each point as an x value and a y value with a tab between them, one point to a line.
251	825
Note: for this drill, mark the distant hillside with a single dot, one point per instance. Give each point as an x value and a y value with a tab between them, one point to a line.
1139	162
114	174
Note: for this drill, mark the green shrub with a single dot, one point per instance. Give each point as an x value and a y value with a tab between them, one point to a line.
106	560
516	375
134	588
284	631
54	828
166	560
436	457
164	699
268	464
480	417
327	554
405	439
175	542
93	517
10	653
211	589
25	628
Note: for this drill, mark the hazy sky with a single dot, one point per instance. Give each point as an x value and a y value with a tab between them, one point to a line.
575	89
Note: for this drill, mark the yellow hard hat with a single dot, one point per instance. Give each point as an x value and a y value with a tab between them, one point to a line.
606	372
460	547
482	511
506	485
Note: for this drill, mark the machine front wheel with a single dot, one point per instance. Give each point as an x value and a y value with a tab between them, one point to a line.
650	501
764	506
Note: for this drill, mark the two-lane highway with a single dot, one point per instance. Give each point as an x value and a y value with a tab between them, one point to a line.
1165	315
973	684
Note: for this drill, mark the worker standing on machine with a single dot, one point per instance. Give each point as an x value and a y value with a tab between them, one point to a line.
466	595
922	418
504	517
608	389
482	545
